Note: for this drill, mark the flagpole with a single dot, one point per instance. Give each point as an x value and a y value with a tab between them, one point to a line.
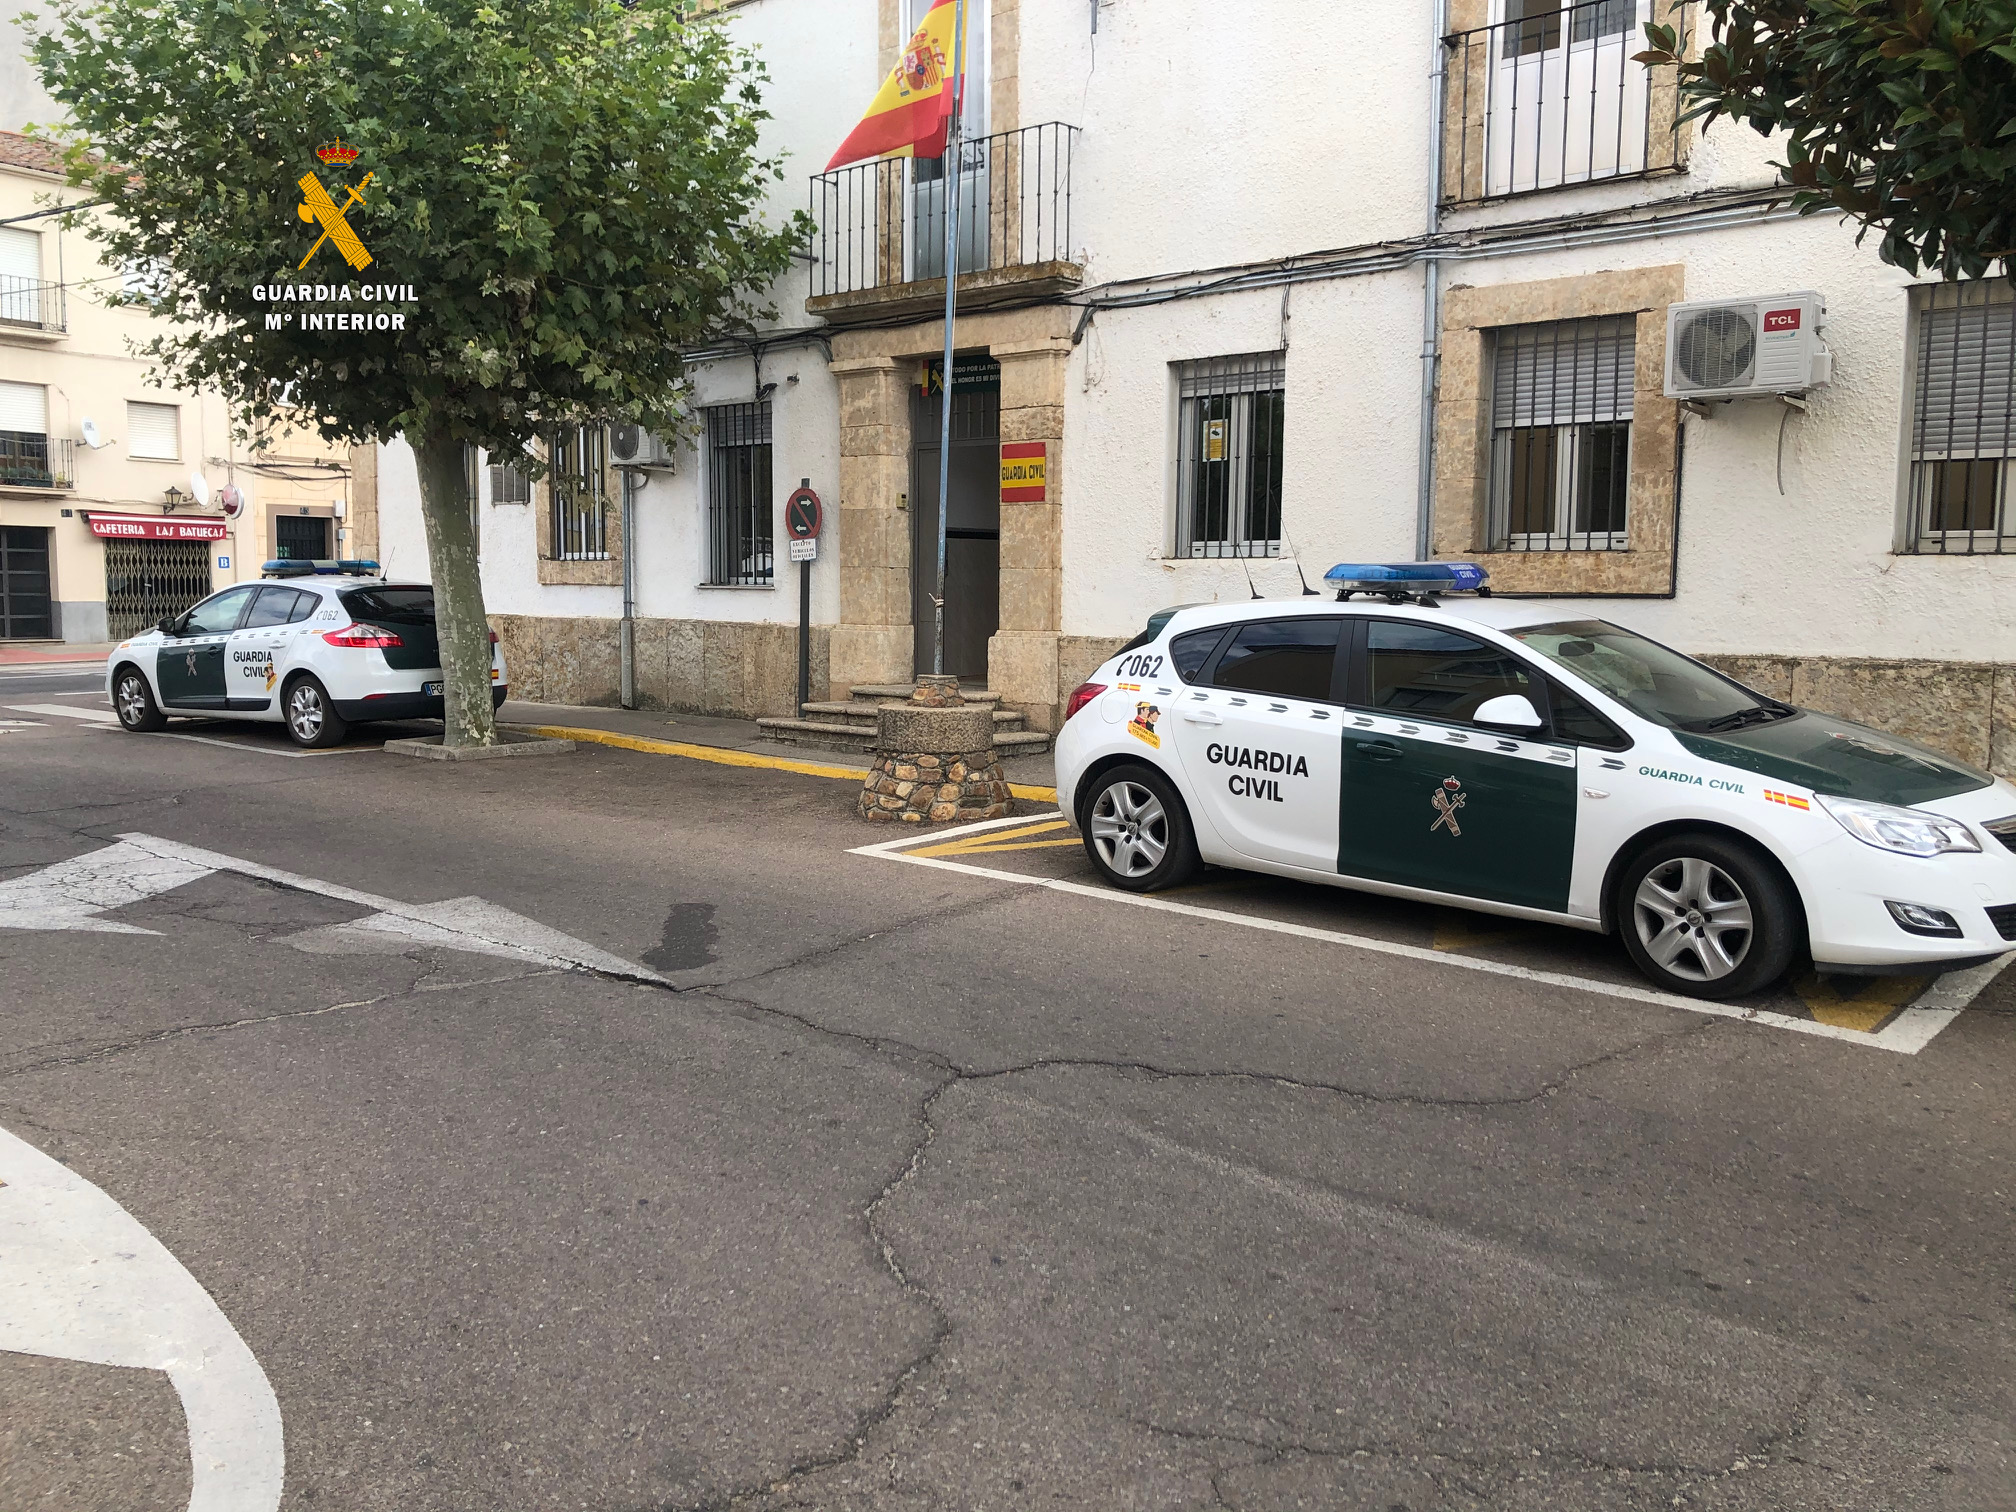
952	196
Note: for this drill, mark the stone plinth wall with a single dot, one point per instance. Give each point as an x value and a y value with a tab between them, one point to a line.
935	789
721	667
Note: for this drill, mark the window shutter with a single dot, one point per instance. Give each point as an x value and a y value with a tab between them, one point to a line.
1966	380
1566	372
151	431
24	407
20	254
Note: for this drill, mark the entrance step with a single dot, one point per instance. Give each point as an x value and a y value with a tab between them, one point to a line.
897	692
850	725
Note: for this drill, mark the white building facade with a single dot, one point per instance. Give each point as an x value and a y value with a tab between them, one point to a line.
1266	288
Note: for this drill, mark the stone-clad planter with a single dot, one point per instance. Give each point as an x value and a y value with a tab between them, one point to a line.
934	760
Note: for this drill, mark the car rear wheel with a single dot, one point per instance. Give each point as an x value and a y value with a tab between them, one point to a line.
1706	917
1137	831
133	702
312	719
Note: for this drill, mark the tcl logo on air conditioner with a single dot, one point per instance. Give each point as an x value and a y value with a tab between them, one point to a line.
1746	348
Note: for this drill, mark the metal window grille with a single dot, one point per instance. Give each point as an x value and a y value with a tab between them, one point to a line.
146	581
739	495
509	484
1561	398
31	460
579	460
1963	419
1228	455
1549	95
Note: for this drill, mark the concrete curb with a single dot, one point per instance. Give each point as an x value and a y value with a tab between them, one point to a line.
511	744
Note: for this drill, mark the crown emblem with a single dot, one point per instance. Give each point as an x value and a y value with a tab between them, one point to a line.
339	154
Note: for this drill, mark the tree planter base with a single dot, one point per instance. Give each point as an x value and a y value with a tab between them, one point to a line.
935	760
430	747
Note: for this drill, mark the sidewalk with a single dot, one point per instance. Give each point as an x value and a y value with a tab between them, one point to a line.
740	735
50	653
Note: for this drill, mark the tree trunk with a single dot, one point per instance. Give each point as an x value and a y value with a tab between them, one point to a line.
469	719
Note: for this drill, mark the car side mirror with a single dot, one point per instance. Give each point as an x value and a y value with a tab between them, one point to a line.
1512	712
167	626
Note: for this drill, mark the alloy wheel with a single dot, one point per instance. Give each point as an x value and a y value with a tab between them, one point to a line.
131	699
1693	919
1131	829
304	712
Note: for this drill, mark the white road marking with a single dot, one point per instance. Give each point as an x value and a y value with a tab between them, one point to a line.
71	894
20	724
255	750
82	1279
99	716
1909	1032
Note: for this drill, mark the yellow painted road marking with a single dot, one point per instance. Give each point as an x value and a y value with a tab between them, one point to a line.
1007	840
722	756
1864	1006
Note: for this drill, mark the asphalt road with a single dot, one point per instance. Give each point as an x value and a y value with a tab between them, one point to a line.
912	1189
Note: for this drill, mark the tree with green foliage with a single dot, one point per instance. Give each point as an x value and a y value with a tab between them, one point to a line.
1900	113
571	188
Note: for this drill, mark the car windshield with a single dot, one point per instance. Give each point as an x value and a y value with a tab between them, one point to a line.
1652	681
395	606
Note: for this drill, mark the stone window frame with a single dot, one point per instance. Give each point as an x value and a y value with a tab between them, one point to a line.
600	571
1462	463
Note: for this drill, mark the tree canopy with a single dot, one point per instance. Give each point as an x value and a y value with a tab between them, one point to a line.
1900	113
571	189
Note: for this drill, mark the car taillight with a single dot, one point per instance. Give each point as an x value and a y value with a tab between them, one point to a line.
362	635
1081	695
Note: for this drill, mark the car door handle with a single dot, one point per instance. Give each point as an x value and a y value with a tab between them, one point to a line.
1380	750
1202	716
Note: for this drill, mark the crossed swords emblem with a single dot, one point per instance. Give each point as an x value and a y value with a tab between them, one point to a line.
318	206
1447	799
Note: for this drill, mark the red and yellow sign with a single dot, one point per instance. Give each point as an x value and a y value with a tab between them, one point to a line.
910	113
1025	467
156	527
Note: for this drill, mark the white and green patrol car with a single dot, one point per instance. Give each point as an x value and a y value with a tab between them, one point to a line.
1525	758
319	647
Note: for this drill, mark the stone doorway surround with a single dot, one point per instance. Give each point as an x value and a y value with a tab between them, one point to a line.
872	644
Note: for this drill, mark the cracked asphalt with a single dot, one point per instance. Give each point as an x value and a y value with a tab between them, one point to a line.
915	1190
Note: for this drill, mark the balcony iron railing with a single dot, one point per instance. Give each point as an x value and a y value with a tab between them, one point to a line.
32	461
1553	98
31	302
882	223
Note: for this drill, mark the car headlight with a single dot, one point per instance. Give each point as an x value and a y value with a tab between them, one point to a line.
1912	832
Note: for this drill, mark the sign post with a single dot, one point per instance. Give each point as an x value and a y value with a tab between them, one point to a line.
803	516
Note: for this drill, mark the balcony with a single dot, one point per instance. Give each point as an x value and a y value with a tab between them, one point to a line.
31	461
1552	98
29	306
879	248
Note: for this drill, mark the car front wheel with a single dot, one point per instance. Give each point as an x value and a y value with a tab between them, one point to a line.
1137	831
312	719
133	702
1706	917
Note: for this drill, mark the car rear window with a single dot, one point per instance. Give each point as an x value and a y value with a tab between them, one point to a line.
397	606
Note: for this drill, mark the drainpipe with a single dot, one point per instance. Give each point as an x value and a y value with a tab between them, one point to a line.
629	588
1431	278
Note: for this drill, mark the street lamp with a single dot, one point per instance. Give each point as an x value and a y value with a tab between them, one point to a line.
173	498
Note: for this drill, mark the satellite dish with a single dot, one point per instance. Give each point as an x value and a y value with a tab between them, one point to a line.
231	499
199	489
90	429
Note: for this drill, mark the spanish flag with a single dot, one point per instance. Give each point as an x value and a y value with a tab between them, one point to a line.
910	114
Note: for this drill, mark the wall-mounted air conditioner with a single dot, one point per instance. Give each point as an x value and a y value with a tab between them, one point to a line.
1746	348
634	446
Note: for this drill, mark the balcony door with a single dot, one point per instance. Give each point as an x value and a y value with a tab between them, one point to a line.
925	188
1567	103
20	276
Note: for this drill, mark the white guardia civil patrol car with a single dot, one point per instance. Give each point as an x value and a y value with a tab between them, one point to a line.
1527	758
318	645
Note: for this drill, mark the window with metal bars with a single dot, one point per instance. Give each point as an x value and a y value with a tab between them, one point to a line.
1963	419
579	458
1561	397
738	496
1228	455
509	484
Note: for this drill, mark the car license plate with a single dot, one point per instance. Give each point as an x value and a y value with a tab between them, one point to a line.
430	690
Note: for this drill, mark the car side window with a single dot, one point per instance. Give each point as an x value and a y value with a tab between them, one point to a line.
304	605
218	615
273	607
1436	673
1188	652
1291	658
1575	720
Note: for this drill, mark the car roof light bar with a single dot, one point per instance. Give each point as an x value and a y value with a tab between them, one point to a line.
1402	581
291	567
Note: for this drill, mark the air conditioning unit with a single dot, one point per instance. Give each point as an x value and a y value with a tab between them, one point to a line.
1746	348
634	446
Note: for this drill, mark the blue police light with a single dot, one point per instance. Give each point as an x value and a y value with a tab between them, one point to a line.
286	567
1407	579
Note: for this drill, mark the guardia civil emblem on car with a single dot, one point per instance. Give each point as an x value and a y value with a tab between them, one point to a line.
1446	799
